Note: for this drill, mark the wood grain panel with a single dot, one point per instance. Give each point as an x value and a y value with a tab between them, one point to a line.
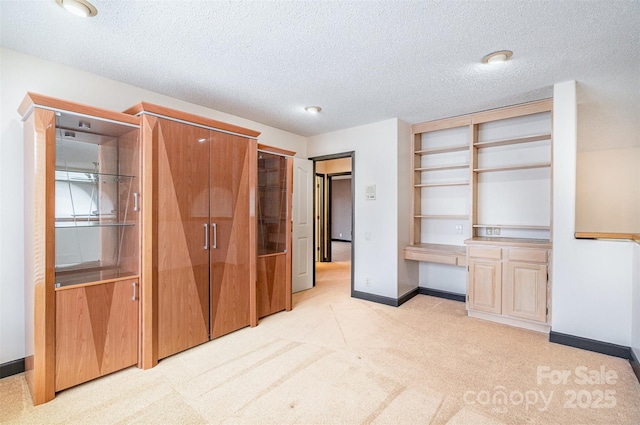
288	289
233	232
39	141
96	332
182	262
150	129
271	284
185	116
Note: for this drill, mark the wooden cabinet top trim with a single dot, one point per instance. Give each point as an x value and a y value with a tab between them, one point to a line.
150	108
32	100
530	108
508	242
544	105
277	151
442	124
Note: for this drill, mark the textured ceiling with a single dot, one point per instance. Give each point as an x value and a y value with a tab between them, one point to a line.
361	61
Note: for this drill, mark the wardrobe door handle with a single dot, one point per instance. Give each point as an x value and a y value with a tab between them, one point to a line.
206	236
215	236
136	207
135	291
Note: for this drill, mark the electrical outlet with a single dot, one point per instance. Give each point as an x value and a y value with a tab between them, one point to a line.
459	229
496	231
367	282
489	231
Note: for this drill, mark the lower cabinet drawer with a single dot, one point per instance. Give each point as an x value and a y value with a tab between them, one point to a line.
485	252
531	255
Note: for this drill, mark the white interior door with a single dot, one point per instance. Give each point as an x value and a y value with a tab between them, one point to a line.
302	249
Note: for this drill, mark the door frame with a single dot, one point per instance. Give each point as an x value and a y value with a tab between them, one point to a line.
329	203
352	155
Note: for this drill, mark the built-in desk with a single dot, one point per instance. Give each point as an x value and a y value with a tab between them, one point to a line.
453	255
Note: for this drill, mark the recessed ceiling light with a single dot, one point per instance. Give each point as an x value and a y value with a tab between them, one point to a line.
499	56
80	8
313	109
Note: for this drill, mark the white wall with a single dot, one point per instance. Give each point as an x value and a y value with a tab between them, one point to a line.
20	73
592	280
376	153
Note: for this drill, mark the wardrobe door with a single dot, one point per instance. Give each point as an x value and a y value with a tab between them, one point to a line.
233	229
182	231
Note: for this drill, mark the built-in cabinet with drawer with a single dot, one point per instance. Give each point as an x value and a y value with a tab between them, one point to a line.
199	230
484	180
82	243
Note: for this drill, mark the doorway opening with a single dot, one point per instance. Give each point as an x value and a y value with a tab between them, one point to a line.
333	214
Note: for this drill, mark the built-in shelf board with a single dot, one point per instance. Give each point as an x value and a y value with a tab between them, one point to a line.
80	278
442	184
513	167
90	223
600	235
515	141
444	149
444	217
513	226
443	167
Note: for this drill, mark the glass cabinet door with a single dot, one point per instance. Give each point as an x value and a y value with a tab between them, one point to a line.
272	203
96	196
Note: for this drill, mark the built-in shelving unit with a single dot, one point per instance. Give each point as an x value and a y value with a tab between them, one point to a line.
485	179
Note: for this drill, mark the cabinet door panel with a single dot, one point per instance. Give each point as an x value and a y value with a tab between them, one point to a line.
96	331
525	292
485	286
232	231
271	288
182	196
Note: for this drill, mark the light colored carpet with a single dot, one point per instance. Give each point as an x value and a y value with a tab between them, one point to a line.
334	359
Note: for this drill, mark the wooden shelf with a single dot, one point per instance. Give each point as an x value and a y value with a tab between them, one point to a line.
513	167
441	184
89	277
443	167
515	141
451	217
599	235
445	149
513	226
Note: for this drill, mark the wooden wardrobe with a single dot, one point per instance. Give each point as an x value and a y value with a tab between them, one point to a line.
199	230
